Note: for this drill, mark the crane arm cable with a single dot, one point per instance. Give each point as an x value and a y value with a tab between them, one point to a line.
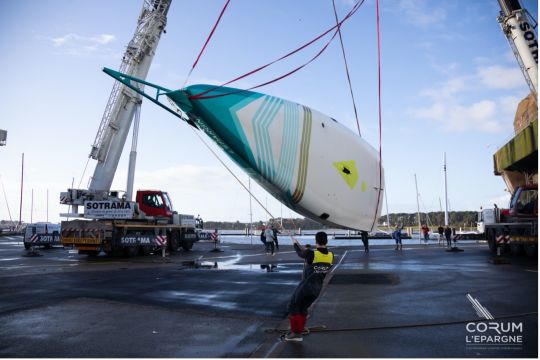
380	111
231	172
207	41
346	68
201	95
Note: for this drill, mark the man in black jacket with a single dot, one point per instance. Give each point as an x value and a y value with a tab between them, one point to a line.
318	263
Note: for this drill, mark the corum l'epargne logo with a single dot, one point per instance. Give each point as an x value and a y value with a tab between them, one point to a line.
492	333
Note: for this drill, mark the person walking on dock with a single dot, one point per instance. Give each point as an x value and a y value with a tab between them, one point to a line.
263	236
318	263
269	234
365	240
425	233
275	233
440	230
397	236
448	235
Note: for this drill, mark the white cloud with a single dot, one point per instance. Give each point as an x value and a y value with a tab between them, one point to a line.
78	45
419	13
103	38
498	77
449	89
453	105
479	116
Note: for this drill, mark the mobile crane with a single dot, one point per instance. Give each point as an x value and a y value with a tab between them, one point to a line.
110	223
516	228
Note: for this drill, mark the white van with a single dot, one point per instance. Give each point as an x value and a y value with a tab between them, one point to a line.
42	233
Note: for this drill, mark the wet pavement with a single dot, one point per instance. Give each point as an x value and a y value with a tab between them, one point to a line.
227	304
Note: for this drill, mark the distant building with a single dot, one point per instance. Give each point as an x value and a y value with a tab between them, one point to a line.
3	137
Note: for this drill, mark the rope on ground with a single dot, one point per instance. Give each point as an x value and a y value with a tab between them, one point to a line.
322	328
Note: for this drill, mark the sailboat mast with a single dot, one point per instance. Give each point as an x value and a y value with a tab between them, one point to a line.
22	181
418	208
387	215
445	194
250	213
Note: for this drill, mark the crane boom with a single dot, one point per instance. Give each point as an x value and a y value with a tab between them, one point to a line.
516	25
118	115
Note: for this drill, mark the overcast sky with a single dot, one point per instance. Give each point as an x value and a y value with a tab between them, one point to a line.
449	84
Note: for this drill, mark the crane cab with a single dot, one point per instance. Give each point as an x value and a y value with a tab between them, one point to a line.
154	203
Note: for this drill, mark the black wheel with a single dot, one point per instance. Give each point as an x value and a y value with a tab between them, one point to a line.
130	251
145	250
92	253
27	246
48	246
516	248
115	251
491	241
174	241
531	250
187	245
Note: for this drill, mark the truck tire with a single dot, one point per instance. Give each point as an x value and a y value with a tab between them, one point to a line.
27	246
174	241
516	248
531	250
130	251
490	235
187	245
145	250
115	251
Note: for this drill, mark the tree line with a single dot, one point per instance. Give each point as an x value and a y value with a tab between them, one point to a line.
432	219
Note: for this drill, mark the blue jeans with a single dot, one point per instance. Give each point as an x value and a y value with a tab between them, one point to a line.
397	236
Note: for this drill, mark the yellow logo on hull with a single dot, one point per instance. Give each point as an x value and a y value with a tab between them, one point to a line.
349	173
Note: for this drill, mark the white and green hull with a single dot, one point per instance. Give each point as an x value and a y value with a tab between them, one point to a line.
305	159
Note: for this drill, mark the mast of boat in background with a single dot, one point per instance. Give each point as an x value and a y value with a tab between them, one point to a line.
445	194
32	207
22	180
387	215
418	209
250	213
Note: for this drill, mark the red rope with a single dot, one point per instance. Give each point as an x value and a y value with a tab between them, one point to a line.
347	69
380	112
200	96
207	39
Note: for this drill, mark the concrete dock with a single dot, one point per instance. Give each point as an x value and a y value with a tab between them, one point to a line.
420	302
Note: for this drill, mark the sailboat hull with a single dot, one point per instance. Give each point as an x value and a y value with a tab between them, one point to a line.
304	158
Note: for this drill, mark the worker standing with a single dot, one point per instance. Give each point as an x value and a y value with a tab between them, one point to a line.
319	262
275	233
269	234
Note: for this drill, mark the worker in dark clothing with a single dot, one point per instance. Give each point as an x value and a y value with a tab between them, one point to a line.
448	235
275	233
263	236
365	240
319	262
440	230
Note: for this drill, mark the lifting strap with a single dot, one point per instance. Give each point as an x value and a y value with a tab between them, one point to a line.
380	115
333	28
207	40
346	69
